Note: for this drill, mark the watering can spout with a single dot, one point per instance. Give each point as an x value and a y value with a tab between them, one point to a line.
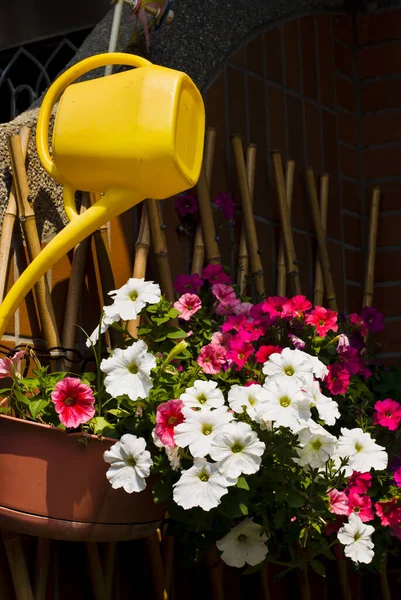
129	136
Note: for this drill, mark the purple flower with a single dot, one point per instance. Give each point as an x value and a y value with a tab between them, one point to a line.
188	284
373	319
226	205
186	204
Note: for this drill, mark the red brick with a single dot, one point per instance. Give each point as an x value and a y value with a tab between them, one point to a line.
349	161
309	66
303	252
336	265
378	27
352	230
257	135
379	61
312	134
387	300
350	195
215	117
382	162
347	127
277	125
254	53
325	60
239	58
388	266
389	339
273	55
331	167
381	128
343	28
390	195
353	265
378	95
345	93
389	231
236	100
354	299
264	235
343	59
291	55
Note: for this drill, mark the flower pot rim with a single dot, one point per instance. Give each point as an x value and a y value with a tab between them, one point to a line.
53	428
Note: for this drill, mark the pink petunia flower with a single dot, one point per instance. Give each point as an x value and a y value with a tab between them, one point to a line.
338	379
186	204
373	319
188	284
226	297
358	323
359	483
262	355
73	401
216	274
323	319
243	308
10	366
338	502
397	477
387	414
296	306
188	305
240	350
235	322
168	415
226	205
274	306
389	512
212	358
220	339
361	506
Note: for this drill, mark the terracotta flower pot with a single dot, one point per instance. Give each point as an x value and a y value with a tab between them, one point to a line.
54	485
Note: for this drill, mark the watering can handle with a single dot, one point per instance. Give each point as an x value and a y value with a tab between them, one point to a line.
58	87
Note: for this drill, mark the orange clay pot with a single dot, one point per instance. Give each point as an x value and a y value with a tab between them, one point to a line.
53	484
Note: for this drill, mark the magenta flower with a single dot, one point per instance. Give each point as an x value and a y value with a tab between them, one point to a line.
361	506
226	297
186	204
358	323
373	319
73	401
10	366
297	306
352	361
397	477
257	311
323	319
337	379
212	358
338	502
235	322
240	350
168	415
274	306
359	483
216	274
389	512
256	328
226	205
188	284
387	414
262	355
188	305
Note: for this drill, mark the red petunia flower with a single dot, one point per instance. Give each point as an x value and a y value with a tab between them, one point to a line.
73	401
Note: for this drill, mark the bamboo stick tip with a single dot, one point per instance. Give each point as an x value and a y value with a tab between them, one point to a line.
275	151
252	145
377	189
290	162
211	129
236	136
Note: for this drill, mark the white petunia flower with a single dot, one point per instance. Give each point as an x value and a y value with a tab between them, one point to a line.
199	429
240	396
202	485
238	450
363	452
284	403
290	364
131	298
129	464
319	369
109	317
356	537
317	446
203	394
245	543
325	406
128	371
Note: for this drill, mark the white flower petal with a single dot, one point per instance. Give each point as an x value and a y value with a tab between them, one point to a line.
245	543
129	463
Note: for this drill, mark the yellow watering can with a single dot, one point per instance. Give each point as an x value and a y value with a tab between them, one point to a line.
129	136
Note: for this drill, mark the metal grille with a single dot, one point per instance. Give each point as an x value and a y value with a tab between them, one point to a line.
26	71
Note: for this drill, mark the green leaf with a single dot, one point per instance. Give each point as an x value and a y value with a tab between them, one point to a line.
160	320
295	499
251	570
21	397
99	424
176	332
119	412
88	376
242	484
318	567
37	406
243	508
161	491
173	313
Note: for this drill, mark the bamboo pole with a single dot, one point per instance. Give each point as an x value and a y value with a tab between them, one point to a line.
198	257
281	265
288	240
41	568
215	567
168	560
321	240
28	222
9	219
160	248
74	293
142	247
243	256
18	567
370	267
156	566
95	571
248	218
206	217
324	200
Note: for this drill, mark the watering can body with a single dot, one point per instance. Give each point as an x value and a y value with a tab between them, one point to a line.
129	136
132	130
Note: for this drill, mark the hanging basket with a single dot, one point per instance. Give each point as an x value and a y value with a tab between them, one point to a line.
54	485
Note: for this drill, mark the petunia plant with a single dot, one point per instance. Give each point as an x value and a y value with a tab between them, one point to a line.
271	428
